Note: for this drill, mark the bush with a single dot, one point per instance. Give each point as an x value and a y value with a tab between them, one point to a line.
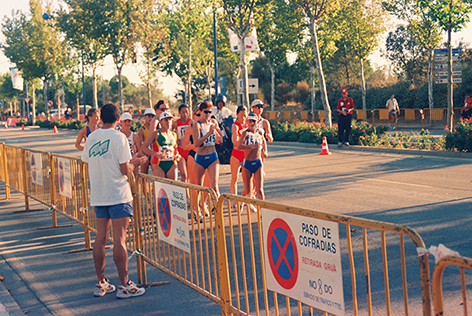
459	139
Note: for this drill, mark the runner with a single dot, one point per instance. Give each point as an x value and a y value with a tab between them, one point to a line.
205	132
92	118
237	156
143	133
257	107
159	107
254	145
180	126
133	139
164	145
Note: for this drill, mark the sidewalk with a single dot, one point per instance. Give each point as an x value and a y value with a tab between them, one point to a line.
43	278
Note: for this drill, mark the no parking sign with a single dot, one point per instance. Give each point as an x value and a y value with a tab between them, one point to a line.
303	260
171	209
36	168
64	177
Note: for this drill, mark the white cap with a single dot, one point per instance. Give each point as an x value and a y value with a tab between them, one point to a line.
150	111
165	115
252	116
126	116
257	102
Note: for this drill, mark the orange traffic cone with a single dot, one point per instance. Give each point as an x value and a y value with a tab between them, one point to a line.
22	127
6	126
55	130
324	147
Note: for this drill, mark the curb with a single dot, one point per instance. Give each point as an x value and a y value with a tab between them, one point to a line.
8	302
386	150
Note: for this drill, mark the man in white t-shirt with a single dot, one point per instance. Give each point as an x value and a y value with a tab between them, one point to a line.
393	110
109	163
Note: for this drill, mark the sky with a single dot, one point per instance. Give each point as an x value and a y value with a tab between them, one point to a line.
169	84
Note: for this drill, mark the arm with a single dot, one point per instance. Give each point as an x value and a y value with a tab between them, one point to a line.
153	125
197	140
186	145
128	167
78	141
338	108
137	144
268	130
241	145
149	140
264	152
234	135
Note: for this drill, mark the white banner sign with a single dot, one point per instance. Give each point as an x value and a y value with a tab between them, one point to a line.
16	79
303	260
36	168
171	208
64	177
250	41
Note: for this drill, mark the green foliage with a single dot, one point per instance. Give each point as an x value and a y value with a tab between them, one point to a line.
460	139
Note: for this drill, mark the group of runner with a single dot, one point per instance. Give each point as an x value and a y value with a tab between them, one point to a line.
189	145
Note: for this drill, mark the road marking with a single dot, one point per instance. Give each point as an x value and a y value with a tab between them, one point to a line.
395	182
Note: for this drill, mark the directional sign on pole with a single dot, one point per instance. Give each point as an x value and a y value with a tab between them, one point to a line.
455	73
27	100
444	80
442	51
253	84
444	66
444	58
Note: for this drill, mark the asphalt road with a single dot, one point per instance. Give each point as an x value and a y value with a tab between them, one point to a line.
428	193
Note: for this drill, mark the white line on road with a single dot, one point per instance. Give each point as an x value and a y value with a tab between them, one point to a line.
415	185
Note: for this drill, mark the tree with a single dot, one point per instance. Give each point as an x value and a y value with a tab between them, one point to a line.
8	94
315	10
76	21
35	46
364	22
451	16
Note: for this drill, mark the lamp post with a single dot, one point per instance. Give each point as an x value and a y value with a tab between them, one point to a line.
215	53
83	87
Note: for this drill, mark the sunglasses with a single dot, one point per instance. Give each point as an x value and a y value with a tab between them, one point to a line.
197	114
256	106
164	109
207	112
152	115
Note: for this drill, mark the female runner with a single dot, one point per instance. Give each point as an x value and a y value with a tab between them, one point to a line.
133	139
254	145
237	156
180	126
92	118
164	144
205	132
143	133
257	107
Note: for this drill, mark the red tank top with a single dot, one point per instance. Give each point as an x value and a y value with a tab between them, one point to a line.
181	128
239	154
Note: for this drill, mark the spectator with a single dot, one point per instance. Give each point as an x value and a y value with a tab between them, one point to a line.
109	161
344	108
466	112
393	110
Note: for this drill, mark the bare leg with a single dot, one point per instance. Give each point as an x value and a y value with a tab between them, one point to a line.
120	254
213	176
103	228
235	165
172	173
183	169
157	171
259	183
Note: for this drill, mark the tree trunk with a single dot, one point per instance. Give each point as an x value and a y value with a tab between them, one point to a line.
313	95
148	83
430	83
189	76
33	104
450	107
94	85
272	86
45	95
319	68
120	87
244	75
361	66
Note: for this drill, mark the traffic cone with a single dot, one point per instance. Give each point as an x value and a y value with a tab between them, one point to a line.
324	147
6	126
55	130
22	127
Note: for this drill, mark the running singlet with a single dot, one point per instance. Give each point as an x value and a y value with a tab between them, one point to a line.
239	154
253	138
130	142
164	144
89	131
181	127
210	141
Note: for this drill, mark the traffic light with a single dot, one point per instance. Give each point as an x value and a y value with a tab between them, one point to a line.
50	95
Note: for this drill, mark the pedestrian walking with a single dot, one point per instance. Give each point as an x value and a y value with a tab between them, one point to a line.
92	118
393	110
345	108
109	163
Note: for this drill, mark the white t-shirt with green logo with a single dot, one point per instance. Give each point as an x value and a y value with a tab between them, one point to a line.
104	151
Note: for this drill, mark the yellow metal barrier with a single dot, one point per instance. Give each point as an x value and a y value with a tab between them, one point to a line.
361	114
304	115
410	114
287	115
197	269
4	172
321	115
15	169
462	263
38	175
437	114
243	270
383	114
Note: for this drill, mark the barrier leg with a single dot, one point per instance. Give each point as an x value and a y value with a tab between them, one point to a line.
5	173
25	180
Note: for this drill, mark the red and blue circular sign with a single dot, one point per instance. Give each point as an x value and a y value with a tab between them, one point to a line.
164	212
282	253
33	167
61	176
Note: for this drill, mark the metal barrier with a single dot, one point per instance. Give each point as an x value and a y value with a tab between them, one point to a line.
15	171
197	268
240	240
455	300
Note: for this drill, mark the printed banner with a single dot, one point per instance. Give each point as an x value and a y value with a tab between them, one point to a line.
16	79
64	177
303	260
250	41
37	168
171	207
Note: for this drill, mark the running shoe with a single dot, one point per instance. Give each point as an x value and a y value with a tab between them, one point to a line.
253	208
340	144
346	143
131	290
103	288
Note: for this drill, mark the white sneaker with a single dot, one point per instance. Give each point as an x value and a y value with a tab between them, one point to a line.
340	144
103	288
253	208
346	143
131	290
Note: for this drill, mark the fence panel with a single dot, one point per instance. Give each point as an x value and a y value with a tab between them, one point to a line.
14	168
197	269
454	299
372	249
38	173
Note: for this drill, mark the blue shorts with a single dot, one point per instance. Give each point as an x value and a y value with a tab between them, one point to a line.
252	165
114	211
206	160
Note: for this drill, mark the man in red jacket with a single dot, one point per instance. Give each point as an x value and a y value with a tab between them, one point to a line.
345	108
